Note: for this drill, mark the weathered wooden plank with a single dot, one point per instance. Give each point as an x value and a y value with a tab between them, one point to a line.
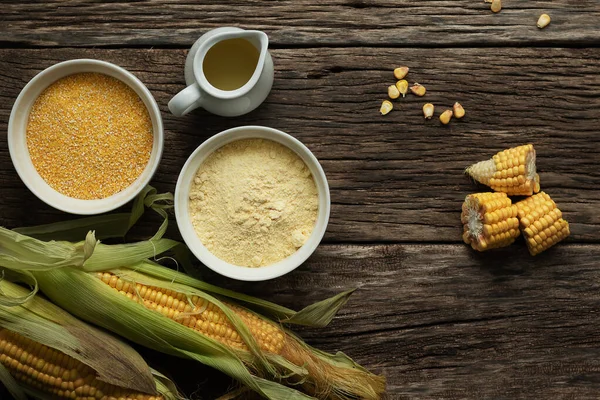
393	178
300	22
441	321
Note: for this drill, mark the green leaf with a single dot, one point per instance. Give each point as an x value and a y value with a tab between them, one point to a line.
41	321
11	385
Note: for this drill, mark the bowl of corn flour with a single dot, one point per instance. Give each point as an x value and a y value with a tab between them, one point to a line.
252	203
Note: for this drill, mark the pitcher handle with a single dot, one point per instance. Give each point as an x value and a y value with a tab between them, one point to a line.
186	100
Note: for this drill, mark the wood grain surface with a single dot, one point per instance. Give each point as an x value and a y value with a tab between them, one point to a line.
439	320
89	23
393	178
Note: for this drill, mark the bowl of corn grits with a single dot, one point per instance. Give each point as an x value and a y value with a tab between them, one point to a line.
252	203
85	136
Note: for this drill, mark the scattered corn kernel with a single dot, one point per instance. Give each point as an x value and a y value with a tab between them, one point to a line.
400	72
418	89
393	92
489	221
459	111
541	222
446	116
428	110
543	21
386	107
496	6
402	87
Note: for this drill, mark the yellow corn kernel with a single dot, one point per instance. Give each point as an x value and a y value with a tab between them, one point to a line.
458	110
418	89
393	92
54	373
400	72
386	107
496	6
543	21
445	117
208	319
402	87
541	222
428	110
511	171
489	221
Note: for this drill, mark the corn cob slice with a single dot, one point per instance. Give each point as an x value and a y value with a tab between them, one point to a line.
511	171
541	222
489	221
50	371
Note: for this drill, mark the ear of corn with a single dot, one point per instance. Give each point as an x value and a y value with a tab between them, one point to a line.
46	352
511	171
489	221
541	222
209	326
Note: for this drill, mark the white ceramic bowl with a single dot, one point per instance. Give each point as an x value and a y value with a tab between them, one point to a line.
17	142
184	221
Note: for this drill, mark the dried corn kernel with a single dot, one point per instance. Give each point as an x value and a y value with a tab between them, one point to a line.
489	221
400	72
459	111
543	21
496	6
446	116
393	92
428	110
402	87
386	107
541	222
418	89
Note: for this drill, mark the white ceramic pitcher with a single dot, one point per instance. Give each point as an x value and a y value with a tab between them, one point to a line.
201	93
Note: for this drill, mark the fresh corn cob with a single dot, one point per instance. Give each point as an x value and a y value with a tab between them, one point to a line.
47	353
193	323
489	221
510	171
199	314
541	222
50	371
204	324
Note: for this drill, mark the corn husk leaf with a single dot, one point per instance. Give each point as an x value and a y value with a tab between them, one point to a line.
318	314
114	256
11	385
106	226
43	322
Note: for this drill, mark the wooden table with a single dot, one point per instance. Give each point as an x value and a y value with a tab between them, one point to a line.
436	318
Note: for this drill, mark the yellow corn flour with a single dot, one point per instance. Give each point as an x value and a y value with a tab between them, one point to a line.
253	202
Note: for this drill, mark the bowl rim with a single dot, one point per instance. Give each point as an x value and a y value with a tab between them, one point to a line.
22	162
186	229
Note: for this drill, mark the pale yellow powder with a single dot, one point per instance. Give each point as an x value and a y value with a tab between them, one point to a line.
253	202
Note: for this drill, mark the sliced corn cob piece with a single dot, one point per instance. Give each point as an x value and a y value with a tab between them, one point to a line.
50	371
489	221
510	171
541	222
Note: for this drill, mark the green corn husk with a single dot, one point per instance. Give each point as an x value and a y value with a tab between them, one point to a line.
66	273
114	362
